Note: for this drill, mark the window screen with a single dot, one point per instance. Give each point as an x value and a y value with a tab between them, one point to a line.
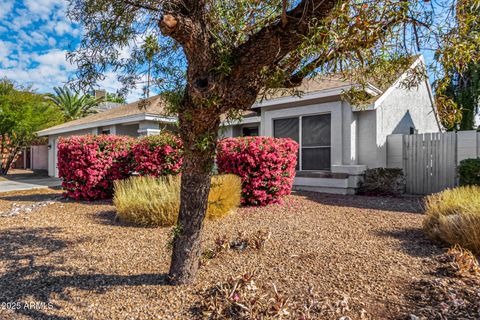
316	141
316	159
286	128
316	131
250	132
315	145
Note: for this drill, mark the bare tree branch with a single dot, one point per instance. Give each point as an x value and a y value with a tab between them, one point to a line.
296	78
141	6
284	13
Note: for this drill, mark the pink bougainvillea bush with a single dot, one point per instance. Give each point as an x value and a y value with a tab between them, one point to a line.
89	164
158	155
266	166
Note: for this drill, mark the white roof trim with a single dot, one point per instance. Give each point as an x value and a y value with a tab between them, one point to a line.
247	120
325	93
107	122
307	96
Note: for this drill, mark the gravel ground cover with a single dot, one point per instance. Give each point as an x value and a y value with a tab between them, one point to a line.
354	257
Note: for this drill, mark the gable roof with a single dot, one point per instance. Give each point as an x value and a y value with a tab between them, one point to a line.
136	111
154	108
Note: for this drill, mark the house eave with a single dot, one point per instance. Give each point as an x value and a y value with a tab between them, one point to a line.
326	93
108	122
305	97
248	120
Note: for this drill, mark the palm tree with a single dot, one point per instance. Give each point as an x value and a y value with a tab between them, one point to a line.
73	104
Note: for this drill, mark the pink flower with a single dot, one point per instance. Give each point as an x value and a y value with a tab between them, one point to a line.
266	166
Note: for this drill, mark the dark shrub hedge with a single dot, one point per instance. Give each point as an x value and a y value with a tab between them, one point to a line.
383	182
469	172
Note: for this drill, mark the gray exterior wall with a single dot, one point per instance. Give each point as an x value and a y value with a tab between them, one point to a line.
401	110
128	130
367	138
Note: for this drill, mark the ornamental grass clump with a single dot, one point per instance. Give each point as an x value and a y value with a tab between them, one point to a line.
224	196
155	202
453	216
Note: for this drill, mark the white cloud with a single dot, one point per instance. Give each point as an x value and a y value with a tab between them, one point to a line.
50	69
111	84
22	20
6	7
62	28
6	54
5	49
34	36
51	41
43	78
54	58
44	8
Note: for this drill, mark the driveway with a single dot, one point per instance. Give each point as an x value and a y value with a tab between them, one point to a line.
19	180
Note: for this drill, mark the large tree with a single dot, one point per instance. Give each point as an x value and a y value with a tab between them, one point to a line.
219	56
22	113
458	87
464	90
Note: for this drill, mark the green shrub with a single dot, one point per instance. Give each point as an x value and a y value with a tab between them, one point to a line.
383	182
453	216
150	201
469	172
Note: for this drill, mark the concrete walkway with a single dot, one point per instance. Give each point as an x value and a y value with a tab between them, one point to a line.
24	180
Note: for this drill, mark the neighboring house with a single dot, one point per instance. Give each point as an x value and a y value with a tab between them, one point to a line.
34	157
337	141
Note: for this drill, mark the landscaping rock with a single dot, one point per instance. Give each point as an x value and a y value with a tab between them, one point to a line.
18	208
331	256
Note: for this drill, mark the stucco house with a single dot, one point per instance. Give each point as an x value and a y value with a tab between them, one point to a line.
338	142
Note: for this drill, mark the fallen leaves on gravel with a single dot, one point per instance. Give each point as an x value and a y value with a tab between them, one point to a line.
455	291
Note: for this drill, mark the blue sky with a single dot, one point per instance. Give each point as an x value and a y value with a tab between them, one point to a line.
34	38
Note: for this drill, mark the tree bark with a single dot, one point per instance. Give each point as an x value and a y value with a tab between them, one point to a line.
5	167
195	187
187	235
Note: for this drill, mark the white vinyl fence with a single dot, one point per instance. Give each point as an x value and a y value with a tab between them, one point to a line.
430	160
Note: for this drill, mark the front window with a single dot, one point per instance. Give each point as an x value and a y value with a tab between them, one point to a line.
313	133
250	131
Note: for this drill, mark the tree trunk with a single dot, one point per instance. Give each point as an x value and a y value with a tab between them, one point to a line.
195	187
187	236
5	166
